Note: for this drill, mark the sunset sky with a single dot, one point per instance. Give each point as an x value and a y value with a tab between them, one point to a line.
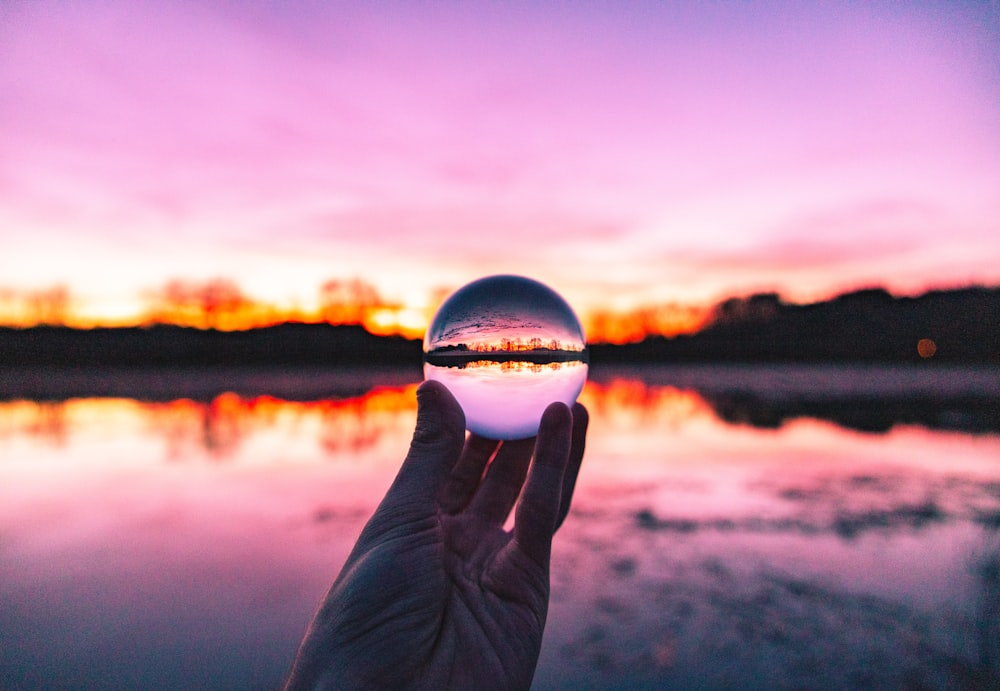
627	154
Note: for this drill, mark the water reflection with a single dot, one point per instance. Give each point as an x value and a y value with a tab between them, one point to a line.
869	398
216	412
216	429
183	540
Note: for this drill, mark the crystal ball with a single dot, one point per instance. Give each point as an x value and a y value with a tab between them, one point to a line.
506	347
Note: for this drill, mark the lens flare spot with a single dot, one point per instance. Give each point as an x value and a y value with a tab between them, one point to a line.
926	348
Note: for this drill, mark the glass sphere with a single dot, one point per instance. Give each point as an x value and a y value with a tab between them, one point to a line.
506	347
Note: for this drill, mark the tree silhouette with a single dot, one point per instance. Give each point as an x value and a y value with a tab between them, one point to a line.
214	304
347	302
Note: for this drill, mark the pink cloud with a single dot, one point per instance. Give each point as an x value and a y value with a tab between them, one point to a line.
502	136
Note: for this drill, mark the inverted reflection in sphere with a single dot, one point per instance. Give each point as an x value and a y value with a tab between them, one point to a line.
506	347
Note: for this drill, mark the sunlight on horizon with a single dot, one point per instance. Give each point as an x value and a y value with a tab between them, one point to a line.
647	162
221	304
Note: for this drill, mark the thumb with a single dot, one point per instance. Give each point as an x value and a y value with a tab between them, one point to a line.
437	442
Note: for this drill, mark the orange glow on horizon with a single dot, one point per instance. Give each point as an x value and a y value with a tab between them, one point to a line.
604	327
632	326
221	305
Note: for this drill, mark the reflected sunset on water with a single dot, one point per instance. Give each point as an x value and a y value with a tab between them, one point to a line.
695	531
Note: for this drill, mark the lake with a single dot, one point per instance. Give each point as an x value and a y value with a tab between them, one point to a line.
750	527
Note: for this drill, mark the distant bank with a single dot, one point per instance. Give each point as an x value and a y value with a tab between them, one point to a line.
957	326
164	345
866	326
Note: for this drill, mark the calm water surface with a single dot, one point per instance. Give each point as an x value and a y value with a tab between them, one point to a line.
732	527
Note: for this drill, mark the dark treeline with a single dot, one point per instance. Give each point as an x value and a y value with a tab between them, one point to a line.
956	326
164	345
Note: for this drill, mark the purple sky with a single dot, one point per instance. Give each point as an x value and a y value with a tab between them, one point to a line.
624	153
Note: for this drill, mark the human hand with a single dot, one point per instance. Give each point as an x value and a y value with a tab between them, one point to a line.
436	594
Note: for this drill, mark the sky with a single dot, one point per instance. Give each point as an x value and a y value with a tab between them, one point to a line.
626	154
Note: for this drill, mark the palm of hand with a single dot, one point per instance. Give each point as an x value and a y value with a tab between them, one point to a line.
461	609
436	594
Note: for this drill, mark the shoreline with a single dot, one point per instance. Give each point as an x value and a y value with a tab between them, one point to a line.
772	382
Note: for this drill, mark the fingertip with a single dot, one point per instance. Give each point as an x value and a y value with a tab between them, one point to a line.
554	435
437	412
430	393
555	416
436	444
